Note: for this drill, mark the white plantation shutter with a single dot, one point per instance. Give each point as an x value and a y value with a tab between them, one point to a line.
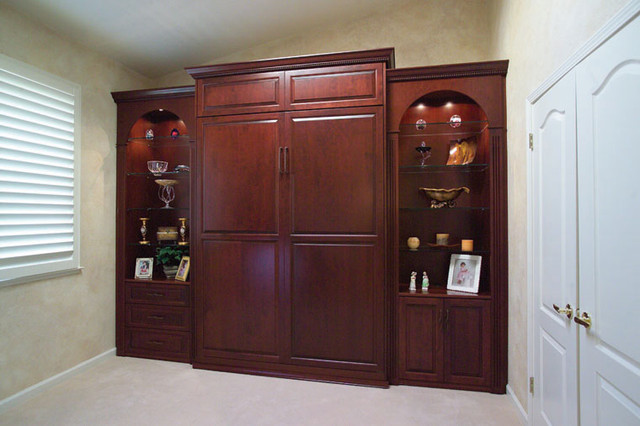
39	198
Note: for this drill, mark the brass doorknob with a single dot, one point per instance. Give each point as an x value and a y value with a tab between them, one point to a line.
568	311
584	320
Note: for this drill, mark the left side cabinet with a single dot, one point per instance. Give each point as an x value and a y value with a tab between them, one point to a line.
153	313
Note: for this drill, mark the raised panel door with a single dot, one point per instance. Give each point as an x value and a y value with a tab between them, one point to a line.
240	173
336	171
420	339
467	342
238	301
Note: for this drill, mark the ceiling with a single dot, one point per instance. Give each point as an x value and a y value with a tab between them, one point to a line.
156	37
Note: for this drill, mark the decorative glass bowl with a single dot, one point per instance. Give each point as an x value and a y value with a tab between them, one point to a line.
157	167
441	197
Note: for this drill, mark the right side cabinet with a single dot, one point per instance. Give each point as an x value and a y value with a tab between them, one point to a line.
448	221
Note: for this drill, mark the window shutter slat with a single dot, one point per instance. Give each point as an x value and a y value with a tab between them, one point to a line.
38	182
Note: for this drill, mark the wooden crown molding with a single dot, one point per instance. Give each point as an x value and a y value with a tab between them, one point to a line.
471	69
150	94
386	55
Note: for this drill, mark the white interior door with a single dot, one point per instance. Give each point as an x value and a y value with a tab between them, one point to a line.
608	91
553	259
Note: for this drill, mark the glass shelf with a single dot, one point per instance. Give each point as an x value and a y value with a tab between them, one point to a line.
160	142
439	168
159	175
149	209
154	245
418	209
466	128
444	249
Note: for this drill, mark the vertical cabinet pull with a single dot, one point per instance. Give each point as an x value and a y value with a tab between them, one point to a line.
280	169
286	159
446	320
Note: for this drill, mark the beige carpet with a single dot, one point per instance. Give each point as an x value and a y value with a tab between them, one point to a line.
130	391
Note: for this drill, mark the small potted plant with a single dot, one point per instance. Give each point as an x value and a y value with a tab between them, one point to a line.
169	258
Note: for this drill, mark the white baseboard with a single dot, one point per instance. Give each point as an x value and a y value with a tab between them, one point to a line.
31	391
516	402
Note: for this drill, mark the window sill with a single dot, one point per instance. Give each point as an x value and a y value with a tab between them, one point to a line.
40	277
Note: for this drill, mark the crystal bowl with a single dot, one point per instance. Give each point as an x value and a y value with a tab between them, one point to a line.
157	167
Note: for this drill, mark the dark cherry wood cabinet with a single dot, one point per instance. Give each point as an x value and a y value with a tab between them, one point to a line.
302	192
290	240
153	316
448	338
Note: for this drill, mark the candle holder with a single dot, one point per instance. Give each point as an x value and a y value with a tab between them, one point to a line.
183	232
143	232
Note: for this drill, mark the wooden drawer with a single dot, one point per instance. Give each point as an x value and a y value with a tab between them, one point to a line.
172	345
262	92
333	87
164	317
157	294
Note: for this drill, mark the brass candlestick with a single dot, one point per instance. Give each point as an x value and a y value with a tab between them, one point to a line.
143	231
183	232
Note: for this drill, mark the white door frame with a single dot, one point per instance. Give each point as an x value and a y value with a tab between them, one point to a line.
619	20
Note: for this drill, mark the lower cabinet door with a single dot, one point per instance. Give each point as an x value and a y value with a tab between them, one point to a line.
467	342
420	339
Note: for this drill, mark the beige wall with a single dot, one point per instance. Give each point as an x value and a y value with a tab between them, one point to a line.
537	36
49	326
415	28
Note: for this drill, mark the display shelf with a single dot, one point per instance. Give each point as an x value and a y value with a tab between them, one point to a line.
133	280
453	250
160	142
157	245
441	168
438	291
465	128
179	174
442	209
150	209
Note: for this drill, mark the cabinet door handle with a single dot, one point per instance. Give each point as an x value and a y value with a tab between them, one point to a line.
155	294
441	317
286	159
280	169
446	320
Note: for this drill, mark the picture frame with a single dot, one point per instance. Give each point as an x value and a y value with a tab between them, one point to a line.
464	273
144	268
183	268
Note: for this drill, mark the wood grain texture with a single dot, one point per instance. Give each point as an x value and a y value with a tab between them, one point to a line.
336	170
355	85
241	94
239	173
238	304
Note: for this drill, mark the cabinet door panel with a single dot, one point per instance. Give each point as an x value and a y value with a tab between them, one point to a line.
336	171
251	93
420	345
467	342
354	85
335	306
237	304
240	173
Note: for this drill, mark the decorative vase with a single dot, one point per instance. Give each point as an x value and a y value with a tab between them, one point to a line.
183	232
143	231
413	243
170	271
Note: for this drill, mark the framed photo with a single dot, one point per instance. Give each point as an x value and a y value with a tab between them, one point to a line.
183	269
144	268
464	273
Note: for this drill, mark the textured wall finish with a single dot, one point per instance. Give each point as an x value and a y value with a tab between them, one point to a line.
537	37
422	32
49	326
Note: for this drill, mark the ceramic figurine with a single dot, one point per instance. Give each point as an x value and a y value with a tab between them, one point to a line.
425	281
412	283
148	134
